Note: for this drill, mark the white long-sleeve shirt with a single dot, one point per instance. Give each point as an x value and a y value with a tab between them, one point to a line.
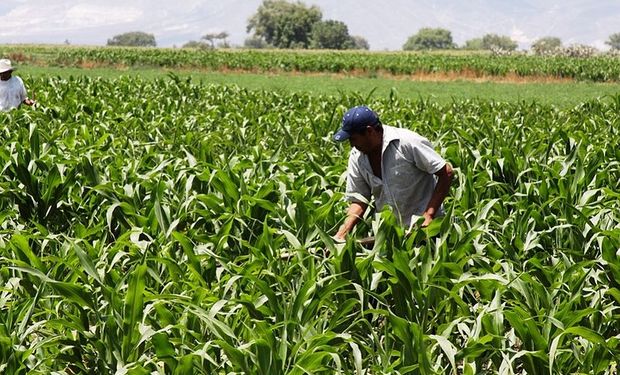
12	93
408	164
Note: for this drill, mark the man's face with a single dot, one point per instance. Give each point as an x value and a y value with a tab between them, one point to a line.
364	142
5	75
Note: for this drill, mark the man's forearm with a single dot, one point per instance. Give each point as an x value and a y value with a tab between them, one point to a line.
354	215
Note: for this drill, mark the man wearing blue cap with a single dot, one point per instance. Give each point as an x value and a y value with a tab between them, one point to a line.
398	167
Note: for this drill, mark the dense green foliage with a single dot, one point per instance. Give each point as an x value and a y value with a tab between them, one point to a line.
212	37
197	44
133	39
283	24
331	34
600	68
560	94
474	44
429	39
546	45
144	223
614	41
499	42
359	42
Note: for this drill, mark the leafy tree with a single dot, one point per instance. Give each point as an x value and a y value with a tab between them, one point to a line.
546	45
614	41
359	42
429	38
330	34
473	44
134	39
283	24
199	44
494	41
256	42
212	37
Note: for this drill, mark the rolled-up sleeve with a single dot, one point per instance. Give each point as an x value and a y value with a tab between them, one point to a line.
358	189
424	156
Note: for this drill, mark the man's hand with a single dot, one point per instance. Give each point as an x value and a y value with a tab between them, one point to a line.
444	179
417	222
339	238
428	218
354	215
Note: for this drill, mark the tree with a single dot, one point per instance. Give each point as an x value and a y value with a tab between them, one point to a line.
283	24
256	43
494	41
614	41
212	37
134	39
360	42
198	44
331	34
473	44
546	45
429	38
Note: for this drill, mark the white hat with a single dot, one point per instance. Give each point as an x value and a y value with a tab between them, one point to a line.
5	65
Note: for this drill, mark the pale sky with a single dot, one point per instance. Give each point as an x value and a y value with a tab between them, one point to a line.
385	24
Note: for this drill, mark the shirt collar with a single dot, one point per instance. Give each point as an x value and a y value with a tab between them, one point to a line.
390	134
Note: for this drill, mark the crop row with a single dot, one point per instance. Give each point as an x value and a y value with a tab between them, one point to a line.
598	68
144	226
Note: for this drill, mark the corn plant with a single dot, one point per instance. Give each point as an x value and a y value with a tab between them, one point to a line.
177	227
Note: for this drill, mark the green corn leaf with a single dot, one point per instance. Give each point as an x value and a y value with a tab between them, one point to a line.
24	252
133	308
74	293
87	263
164	350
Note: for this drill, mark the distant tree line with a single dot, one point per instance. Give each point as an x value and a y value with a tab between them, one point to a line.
280	24
208	40
284	24
441	39
276	24
133	39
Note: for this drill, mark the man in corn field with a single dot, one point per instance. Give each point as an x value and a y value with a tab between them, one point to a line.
398	167
12	89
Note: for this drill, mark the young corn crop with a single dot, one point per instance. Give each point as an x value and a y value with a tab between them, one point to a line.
143	226
598	68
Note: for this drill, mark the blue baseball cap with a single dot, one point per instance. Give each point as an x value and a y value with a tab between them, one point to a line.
355	119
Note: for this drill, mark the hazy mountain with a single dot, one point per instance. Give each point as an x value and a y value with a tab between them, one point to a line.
385	24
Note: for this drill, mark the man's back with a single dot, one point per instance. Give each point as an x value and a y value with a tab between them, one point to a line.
12	93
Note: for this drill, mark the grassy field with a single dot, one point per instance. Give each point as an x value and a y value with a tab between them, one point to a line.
562	95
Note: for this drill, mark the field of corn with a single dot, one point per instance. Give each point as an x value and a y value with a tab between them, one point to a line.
602	68
144	226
